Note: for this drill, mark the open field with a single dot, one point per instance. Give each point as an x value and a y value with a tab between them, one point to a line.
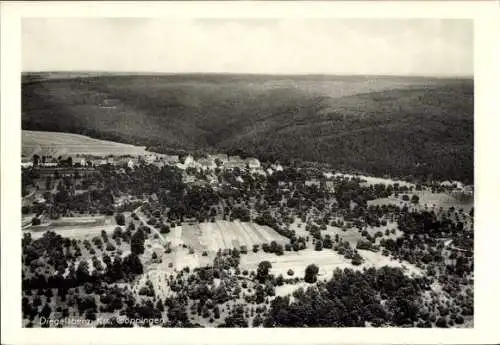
326	260
432	200
279	117
75	227
371	180
79	232
57	143
224	235
351	235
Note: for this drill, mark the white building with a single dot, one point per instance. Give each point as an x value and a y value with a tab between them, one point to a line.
469	190
171	159
207	163
100	161
447	184
189	161
235	162
330	185
253	163
312	182
277	167
149	158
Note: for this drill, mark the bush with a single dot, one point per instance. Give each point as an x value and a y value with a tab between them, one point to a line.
442	323
120	219
363	245
290	272
164	229
356	261
318	245
311	273
266	248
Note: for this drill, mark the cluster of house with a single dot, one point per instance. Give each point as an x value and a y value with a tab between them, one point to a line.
210	162
458	187
223	161
77	160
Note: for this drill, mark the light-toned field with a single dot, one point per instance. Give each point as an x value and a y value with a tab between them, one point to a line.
351	235
288	289
327	260
371	180
75	227
429	199
77	232
56	144
225	235
299	227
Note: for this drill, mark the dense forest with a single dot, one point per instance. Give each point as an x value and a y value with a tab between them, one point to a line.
402	127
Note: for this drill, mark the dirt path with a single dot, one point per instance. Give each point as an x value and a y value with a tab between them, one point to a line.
145	223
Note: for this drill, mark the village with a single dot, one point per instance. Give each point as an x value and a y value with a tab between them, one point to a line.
209	162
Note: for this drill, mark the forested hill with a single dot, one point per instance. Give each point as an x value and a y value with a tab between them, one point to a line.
380	125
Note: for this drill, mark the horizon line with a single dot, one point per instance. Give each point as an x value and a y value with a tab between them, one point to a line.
443	76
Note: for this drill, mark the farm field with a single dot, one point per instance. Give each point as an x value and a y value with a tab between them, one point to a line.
227	235
77	232
74	227
57	143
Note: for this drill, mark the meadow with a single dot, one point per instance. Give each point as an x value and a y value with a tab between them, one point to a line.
228	235
57	144
326	260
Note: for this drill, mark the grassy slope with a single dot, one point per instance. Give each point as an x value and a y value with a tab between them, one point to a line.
379	125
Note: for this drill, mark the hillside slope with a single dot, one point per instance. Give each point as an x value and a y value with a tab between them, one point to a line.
379	125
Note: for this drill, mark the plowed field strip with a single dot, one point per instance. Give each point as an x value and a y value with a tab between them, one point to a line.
258	234
244	235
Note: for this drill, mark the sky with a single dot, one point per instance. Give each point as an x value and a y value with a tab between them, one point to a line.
426	47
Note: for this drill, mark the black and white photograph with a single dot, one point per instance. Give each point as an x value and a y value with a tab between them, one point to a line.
247	172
